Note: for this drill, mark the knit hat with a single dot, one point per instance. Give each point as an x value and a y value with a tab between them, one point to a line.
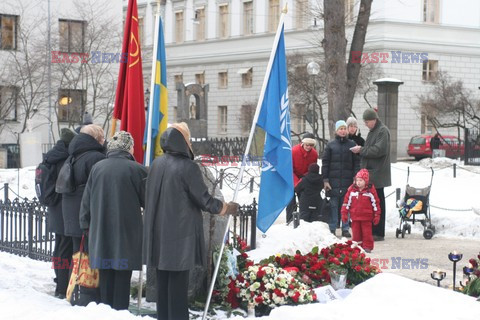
363	174
122	140
66	135
87	118
351	121
339	124
370	114
313	168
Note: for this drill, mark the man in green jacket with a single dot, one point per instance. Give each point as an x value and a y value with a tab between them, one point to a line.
375	157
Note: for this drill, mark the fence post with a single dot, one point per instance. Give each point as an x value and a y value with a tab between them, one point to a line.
253	226
398	191
251	184
454	170
221	178
5	191
30	230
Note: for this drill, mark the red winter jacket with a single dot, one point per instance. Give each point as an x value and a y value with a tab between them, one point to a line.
301	160
363	205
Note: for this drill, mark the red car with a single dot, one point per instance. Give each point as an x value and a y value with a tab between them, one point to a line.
419	146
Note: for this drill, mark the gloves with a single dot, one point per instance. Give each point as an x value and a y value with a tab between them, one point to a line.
344	217
376	219
232	208
327	186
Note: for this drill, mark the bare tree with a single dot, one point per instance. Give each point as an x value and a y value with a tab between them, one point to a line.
449	104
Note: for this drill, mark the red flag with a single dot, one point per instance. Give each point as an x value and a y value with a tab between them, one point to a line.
129	99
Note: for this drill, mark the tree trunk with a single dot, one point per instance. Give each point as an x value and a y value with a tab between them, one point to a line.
334	46
358	41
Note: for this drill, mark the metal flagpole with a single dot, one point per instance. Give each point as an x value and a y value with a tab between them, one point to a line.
149	126
247	149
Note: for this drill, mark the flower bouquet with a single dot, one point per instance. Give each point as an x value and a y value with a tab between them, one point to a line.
472	271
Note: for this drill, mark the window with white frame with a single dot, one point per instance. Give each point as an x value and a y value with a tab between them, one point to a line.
429	70
273	15
431	11
223	26
222	119
223	79
71	104
200	23
8	103
179	26
8	32
72	35
247	77
248	18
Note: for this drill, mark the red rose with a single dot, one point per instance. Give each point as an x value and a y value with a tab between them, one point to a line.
357	268
248	264
260	273
345	260
259	299
278	293
473	262
244	255
295	296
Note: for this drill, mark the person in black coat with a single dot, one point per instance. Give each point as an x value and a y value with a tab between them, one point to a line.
87	149
435	142
111	212
62	252
173	225
309	189
353	132
339	166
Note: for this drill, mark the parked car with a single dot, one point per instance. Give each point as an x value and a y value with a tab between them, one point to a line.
419	146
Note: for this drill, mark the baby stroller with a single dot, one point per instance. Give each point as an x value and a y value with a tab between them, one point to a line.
416	203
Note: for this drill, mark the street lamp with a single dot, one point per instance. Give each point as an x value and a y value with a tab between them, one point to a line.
313	69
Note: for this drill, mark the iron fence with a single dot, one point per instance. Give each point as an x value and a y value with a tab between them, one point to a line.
218	147
23	229
245	221
472	147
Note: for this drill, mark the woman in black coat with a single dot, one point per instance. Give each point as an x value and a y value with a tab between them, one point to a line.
173	225
62	253
87	149
111	212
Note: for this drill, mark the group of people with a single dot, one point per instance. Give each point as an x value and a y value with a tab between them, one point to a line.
354	194
111	189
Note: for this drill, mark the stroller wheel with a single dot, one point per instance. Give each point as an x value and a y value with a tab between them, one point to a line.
409	229
433	228
397	232
403	233
428	234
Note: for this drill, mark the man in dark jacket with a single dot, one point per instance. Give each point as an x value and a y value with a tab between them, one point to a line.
62	253
111	212
309	189
339	166
375	157
87	149
173	226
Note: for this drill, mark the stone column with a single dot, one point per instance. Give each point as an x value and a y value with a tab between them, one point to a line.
388	109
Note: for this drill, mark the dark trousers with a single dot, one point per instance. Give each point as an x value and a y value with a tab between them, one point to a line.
172	295
115	288
291	208
62	258
379	229
335	208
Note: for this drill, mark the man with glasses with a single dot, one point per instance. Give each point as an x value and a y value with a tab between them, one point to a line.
375	157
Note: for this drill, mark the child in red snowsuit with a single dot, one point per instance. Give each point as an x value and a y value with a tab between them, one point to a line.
361	201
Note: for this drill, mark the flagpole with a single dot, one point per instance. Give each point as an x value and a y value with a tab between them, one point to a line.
247	149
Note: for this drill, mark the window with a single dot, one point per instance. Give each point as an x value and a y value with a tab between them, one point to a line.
431	11
223	79
222	119
349	10
71	104
248	18
140	30
200	78
200	22
247	77
8	32
179	27
301	13
273	15
429	72
298	118
426	126
178	78
72	35
246	118
223	21
8	103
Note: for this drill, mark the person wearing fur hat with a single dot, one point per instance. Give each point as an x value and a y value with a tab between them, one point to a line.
303	154
375	157
173	242
362	204
353	132
111	213
339	166
309	189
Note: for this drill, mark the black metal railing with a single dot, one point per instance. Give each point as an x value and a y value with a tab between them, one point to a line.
245	221
219	147
472	147
23	229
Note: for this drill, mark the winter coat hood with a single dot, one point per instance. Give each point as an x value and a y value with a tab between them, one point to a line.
58	153
173	142
84	142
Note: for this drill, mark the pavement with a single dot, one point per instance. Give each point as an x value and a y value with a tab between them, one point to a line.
415	257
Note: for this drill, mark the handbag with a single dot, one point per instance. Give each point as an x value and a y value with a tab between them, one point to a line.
84	281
